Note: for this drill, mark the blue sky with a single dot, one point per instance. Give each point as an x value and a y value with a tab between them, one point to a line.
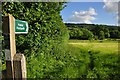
90	12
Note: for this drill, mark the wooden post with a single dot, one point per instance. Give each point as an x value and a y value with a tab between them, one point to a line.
19	67
15	63
10	46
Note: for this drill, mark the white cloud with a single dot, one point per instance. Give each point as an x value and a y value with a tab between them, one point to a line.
111	7
83	16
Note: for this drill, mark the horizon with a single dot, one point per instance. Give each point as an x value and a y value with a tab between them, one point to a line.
91	24
91	13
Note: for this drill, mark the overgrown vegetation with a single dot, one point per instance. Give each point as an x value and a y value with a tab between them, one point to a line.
46	37
49	54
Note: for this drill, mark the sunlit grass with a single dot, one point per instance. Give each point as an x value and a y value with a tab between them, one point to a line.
107	47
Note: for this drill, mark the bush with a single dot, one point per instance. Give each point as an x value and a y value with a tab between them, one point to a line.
46	37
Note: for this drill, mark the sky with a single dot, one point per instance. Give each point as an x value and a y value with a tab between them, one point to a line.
91	12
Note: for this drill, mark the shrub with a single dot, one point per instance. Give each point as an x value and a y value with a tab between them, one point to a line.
46	37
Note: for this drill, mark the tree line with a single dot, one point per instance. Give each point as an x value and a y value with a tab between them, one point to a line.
93	31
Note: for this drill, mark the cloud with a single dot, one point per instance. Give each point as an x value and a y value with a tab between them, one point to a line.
83	16
111	7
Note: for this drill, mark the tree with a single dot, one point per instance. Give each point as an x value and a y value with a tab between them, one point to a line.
87	35
75	33
80	33
101	35
115	34
106	32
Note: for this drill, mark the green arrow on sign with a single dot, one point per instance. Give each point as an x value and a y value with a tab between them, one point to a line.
21	27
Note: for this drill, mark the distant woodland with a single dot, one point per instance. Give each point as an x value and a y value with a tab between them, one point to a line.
93	31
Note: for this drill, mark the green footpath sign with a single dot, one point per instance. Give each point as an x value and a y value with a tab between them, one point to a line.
21	27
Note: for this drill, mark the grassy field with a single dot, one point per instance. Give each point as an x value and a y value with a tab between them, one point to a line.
105	47
100	58
82	59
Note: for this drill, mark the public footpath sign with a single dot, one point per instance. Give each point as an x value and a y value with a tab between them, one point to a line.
21	27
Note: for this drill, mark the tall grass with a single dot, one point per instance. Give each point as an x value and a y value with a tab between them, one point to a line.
83	60
100	60
78	62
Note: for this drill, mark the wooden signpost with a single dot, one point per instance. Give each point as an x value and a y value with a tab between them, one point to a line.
15	63
10	48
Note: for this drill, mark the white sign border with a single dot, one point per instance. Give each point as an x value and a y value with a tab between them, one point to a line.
26	28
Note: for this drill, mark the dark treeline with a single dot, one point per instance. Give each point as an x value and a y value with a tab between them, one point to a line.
93	31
